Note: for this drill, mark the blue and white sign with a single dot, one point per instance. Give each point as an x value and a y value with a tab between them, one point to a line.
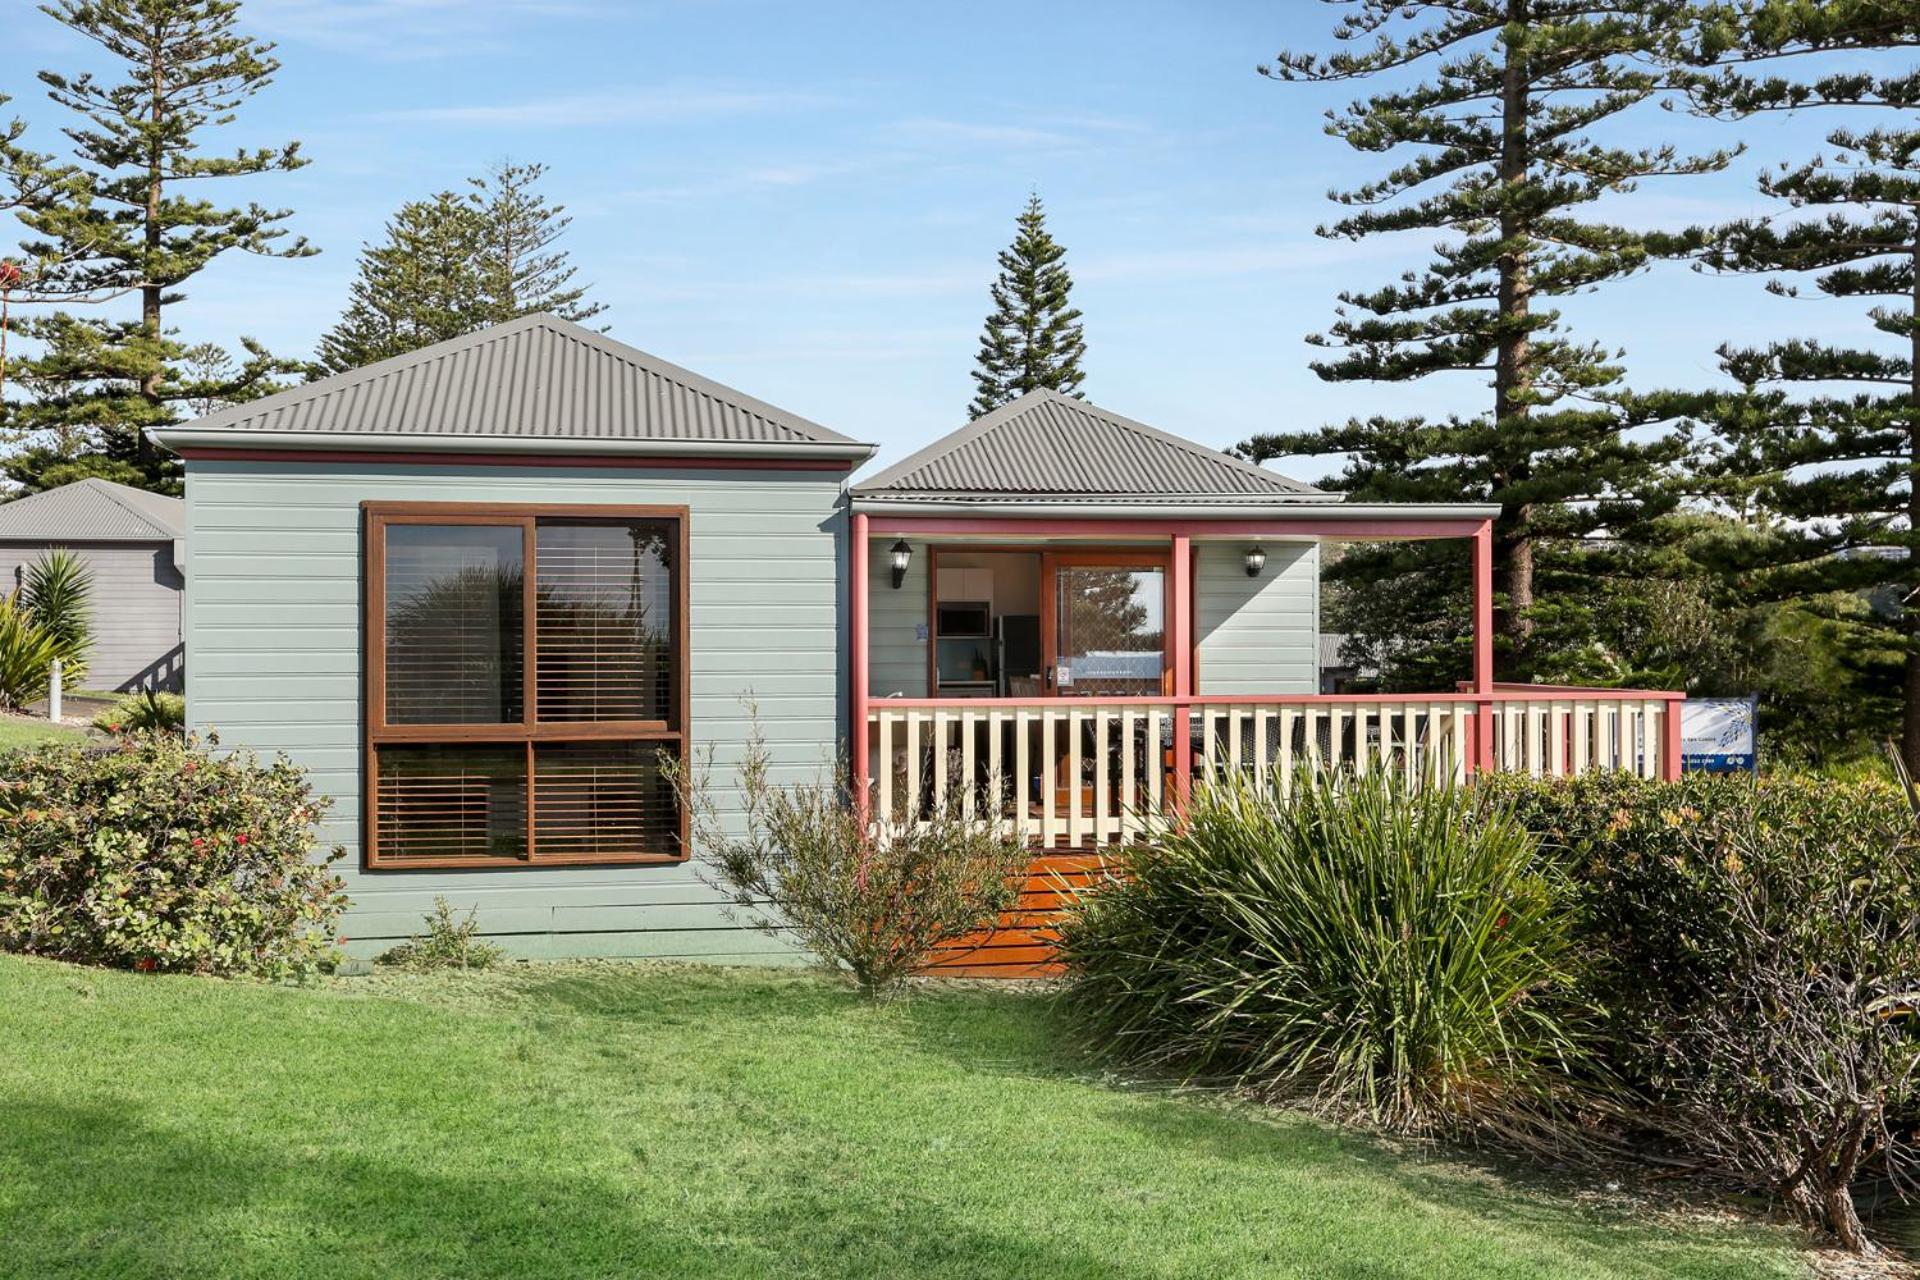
1719	735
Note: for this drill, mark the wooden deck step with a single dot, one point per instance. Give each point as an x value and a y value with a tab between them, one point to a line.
1023	945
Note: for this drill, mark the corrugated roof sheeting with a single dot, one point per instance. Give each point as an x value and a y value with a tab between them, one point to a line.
93	510
539	376
1049	446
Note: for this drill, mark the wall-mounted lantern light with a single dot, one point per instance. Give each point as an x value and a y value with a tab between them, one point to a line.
900	557
1256	560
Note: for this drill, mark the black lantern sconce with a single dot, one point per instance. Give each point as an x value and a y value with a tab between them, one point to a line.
1256	560
899	558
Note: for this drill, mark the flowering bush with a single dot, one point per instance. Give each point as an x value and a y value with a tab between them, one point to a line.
155	854
1755	955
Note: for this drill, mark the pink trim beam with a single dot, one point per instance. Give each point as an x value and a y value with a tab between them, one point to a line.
1157	530
857	639
1180	586
1482	759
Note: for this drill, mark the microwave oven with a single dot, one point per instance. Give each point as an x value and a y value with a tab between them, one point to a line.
964	618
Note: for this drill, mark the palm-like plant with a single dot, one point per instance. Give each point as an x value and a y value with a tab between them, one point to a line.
57	592
27	651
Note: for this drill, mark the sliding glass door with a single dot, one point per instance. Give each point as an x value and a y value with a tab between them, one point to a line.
1104	621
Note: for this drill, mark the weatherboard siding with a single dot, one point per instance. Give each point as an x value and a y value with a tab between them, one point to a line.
274	664
897	638
1258	635
135	608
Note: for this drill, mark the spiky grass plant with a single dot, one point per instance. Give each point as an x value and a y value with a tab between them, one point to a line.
1404	958
57	591
27	651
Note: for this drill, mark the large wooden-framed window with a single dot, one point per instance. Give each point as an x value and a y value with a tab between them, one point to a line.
526	681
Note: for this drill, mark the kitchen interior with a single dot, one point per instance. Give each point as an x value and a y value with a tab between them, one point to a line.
987	624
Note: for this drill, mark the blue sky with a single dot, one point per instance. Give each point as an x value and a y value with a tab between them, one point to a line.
805	200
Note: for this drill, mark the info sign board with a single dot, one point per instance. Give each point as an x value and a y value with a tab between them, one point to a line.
1719	735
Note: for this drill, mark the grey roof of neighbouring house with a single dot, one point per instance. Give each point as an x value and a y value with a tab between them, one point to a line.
1050	448
93	510
536	383
1333	645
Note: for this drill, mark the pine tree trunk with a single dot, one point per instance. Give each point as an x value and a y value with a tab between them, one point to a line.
1909	606
1513	367
150	288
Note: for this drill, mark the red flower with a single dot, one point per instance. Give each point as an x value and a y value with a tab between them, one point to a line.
197	842
241	838
1501	923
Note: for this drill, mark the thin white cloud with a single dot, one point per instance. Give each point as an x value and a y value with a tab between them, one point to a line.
929	131
777	176
1221	260
824	285
860	344
401	29
1130	267
641	105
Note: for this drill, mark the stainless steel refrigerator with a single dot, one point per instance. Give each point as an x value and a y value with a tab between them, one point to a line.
1016	649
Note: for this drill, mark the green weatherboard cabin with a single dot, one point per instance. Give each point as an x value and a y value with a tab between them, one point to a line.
480	589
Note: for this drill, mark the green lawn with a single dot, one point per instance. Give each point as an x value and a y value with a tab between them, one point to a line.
601	1121
21	731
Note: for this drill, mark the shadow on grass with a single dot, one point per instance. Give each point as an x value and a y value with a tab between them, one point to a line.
153	1189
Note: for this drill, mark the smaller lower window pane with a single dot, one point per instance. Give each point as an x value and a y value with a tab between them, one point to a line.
443	802
603	801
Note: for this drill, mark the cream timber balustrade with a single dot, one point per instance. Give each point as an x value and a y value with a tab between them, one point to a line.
1076	773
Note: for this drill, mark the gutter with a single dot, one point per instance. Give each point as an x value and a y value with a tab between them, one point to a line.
179	438
1314	510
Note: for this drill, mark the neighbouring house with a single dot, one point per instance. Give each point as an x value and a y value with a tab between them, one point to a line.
131	542
1338	672
478	589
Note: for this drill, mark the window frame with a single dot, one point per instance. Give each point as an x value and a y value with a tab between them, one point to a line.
672	732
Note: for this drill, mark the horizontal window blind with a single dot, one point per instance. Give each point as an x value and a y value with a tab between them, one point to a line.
602	801
442	803
605	627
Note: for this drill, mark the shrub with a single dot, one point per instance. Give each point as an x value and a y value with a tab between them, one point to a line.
155	854
449	943
148	711
1757	957
56	592
803	860
1398	957
27	652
